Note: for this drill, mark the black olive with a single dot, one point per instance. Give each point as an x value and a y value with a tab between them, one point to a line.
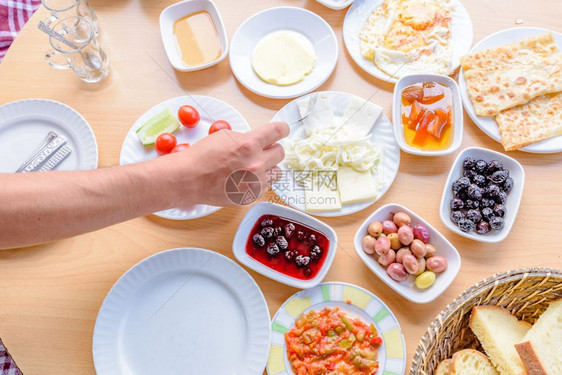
469	163
501	198
492	190
499	176
474	215
471	204
474	192
497	223
273	249
499	210
466	225
494	165
487	202
461	183
479	180
481	167
469	173
482	227
456	216
282	242
258	240
267	232
507	185
462	194
487	213
456	204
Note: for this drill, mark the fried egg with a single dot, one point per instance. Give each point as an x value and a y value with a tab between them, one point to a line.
403	37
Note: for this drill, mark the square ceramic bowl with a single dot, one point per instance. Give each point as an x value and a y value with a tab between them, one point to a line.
178	10
516	172
407	288
248	222
397	109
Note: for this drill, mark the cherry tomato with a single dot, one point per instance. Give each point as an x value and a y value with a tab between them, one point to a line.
165	143
180	147
188	116
219	125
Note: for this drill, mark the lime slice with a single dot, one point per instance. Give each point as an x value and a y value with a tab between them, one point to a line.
163	122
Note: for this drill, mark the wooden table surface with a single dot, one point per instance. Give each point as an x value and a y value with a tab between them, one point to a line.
50	294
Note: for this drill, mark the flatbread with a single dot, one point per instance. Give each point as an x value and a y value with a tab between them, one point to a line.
513	74
539	119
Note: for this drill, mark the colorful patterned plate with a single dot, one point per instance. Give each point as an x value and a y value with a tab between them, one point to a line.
363	304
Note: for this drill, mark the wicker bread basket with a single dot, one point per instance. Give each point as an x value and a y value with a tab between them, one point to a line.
525	292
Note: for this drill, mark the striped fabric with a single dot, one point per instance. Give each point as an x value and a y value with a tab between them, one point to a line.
13	15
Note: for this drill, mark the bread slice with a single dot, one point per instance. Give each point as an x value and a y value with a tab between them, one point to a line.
498	331
541	348
444	367
471	362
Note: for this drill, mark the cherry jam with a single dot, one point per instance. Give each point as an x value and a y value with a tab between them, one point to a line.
287	246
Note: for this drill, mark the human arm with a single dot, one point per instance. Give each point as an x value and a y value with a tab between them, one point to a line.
41	207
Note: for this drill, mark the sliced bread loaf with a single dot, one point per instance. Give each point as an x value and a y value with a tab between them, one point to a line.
498	331
444	367
541	348
471	362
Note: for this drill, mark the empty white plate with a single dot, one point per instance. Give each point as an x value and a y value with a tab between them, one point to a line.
183	311
309	24
24	124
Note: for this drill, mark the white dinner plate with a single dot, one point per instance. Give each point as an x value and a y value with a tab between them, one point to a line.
359	12
183	311
210	110
382	134
352	300
24	124
300	20
488	124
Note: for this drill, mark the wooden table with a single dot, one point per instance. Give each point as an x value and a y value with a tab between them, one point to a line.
50	294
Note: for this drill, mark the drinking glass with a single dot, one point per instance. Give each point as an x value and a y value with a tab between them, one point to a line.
67	8
84	54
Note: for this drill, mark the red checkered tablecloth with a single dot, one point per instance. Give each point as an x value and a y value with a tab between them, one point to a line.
13	15
7	364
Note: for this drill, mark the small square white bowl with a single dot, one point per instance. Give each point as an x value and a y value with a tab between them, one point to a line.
178	10
407	288
248	222
516	172
397	111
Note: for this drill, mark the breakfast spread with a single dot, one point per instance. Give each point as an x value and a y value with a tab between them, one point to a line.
332	342
427	116
336	158
283	57
404	37
197	39
287	246
480	196
511	82
404	250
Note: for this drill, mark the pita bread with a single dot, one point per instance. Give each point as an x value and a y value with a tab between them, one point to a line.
539	119
506	76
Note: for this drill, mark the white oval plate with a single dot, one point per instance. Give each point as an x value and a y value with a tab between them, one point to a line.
210	109
488	124
363	304
359	12
300	20
183	311
24	124
382	133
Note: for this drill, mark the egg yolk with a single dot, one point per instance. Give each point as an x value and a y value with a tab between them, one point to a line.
419	15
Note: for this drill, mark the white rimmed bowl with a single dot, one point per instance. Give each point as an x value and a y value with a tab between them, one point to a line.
516	172
407	288
243	232
178	10
397	110
303	21
336	4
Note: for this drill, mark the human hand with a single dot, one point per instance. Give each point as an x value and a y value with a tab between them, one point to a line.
198	174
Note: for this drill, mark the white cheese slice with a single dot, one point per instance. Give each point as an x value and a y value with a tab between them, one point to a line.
355	186
320	116
322	197
360	116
